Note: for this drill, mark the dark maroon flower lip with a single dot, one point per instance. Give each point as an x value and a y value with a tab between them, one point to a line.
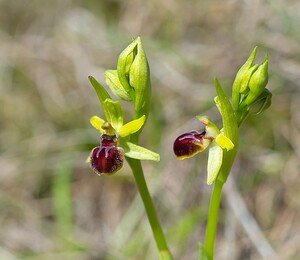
107	159
189	144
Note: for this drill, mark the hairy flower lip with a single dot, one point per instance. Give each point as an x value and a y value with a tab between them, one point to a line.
106	159
189	144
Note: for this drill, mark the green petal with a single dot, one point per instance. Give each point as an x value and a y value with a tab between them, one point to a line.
97	123
140	153
112	80
132	126
114	113
215	157
224	142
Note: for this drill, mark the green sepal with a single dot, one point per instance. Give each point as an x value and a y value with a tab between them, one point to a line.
214	163
201	252
132	126
97	123
114	113
112	80
139	78
101	93
124	64
138	152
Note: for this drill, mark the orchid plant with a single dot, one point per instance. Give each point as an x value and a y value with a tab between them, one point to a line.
249	95
119	141
129	82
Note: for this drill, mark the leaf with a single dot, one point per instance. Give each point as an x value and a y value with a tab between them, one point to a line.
112	80
140	153
132	126
214	163
115	113
97	123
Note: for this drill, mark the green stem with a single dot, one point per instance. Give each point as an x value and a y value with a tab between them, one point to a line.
150	210
211	227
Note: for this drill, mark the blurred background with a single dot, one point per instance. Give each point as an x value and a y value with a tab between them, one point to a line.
52	206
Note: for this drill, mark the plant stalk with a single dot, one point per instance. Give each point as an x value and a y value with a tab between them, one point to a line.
212	222
150	210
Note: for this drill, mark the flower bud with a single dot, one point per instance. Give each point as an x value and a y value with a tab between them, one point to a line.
139	79
242	78
107	158
124	63
258	82
261	103
132	81
189	144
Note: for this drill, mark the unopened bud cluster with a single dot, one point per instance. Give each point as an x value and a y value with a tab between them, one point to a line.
249	87
131	80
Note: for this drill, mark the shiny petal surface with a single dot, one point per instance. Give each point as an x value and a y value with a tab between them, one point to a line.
189	144
106	159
